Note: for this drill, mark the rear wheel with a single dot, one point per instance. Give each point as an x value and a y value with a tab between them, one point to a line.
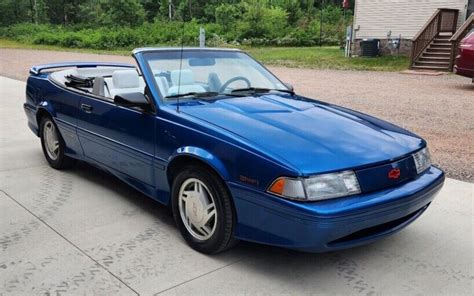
203	210
53	144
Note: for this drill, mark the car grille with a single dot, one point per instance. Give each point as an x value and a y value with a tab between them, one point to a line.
380	177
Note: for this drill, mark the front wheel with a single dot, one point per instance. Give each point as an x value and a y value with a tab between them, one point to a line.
203	210
53	145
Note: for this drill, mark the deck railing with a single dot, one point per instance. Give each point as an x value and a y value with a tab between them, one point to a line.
444	20
458	36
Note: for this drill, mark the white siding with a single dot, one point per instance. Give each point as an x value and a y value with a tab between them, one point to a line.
376	18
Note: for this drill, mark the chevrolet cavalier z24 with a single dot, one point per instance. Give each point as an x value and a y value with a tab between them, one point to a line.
234	152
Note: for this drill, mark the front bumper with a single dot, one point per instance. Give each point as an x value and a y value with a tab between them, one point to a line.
463	71
332	224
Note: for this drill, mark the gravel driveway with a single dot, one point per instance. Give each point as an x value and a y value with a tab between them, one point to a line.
438	108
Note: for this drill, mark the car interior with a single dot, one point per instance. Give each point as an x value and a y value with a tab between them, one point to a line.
107	82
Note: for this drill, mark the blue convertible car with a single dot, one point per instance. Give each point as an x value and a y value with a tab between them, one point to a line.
232	150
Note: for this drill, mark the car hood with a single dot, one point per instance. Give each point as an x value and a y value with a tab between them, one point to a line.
311	136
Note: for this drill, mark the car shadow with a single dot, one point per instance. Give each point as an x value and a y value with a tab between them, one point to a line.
464	86
468	86
103	178
280	264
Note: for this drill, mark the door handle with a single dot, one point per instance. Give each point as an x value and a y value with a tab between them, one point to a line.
86	108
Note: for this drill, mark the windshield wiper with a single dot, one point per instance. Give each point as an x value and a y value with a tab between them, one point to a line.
207	94
257	90
194	94
233	93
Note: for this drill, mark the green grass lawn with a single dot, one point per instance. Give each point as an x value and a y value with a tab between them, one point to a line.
326	58
7	43
297	57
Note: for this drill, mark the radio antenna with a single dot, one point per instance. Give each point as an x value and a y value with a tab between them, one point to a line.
180	65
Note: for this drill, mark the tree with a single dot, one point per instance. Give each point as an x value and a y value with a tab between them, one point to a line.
275	22
293	9
90	13
40	11
15	11
253	17
152	8
123	12
259	20
7	13
280	22
226	16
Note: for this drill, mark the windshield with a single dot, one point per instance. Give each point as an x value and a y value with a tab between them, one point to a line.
209	74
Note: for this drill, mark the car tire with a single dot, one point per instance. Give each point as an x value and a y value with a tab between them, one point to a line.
192	208
50	136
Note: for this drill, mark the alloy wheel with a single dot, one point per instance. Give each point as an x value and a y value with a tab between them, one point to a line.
197	209
51	140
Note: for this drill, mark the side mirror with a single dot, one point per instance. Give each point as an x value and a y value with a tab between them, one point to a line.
136	99
289	86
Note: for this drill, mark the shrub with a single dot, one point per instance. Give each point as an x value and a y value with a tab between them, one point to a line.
226	16
252	23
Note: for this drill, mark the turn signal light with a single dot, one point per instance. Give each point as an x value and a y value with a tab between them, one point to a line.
287	187
277	186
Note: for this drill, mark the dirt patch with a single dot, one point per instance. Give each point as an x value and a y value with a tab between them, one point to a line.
438	108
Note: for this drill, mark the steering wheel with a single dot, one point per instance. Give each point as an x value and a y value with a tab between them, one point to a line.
232	80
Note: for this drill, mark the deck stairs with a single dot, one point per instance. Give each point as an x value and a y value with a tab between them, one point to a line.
436	56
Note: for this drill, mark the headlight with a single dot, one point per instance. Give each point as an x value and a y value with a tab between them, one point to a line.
466	45
422	160
318	187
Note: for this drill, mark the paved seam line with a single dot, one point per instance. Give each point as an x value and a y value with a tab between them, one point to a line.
25	168
5	75
67	240
199	276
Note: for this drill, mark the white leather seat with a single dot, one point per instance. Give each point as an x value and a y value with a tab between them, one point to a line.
125	82
185	83
162	85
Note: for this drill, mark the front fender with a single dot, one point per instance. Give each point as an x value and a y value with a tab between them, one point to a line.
204	156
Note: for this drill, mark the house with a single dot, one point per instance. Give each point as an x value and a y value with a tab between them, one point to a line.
411	27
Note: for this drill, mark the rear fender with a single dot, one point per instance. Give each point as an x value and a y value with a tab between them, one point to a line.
44	108
34	115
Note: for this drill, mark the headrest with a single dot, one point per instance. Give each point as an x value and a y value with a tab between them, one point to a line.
162	85
187	77
99	86
126	79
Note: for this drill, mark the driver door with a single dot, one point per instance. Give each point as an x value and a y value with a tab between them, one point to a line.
120	138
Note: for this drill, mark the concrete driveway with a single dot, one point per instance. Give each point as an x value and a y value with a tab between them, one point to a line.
82	231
